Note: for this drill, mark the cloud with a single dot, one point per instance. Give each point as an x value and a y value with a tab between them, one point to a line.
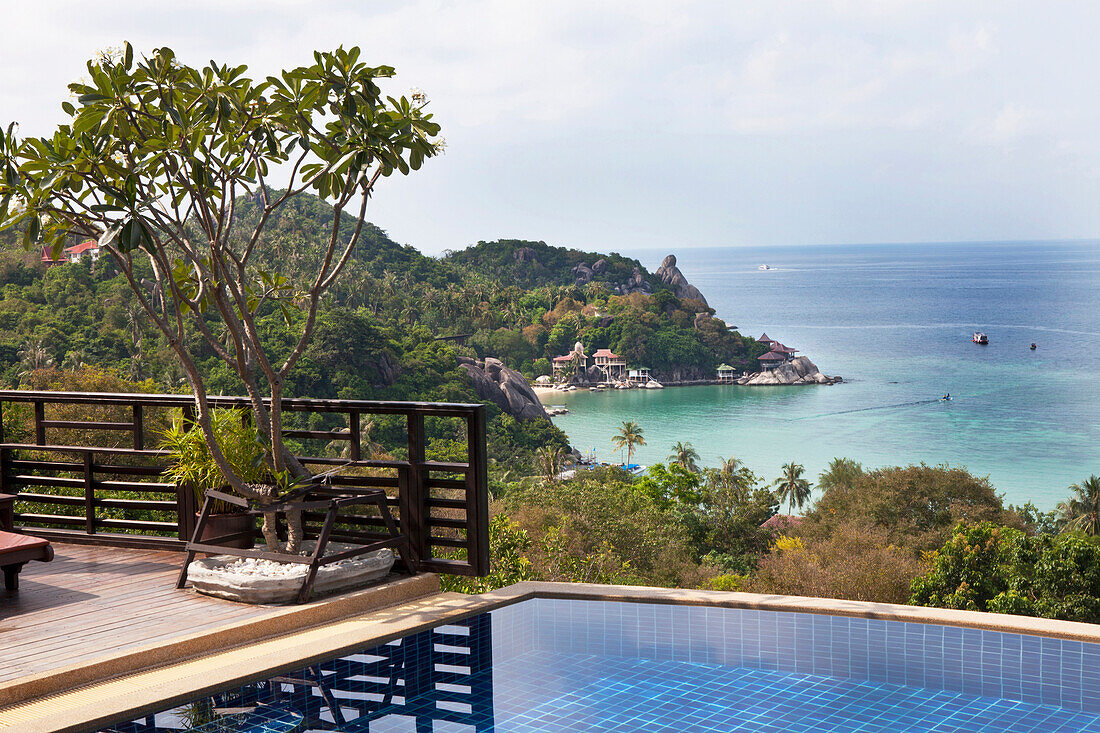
620	123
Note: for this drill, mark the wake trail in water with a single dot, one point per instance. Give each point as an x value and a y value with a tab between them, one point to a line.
896	406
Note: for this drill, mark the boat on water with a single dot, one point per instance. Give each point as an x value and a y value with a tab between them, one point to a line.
980	338
1033	346
946	397
765	267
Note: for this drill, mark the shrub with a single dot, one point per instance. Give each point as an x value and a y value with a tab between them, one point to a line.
853	562
985	567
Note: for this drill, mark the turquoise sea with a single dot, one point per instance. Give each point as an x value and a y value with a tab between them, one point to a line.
895	321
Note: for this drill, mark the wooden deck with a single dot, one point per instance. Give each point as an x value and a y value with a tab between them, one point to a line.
91	601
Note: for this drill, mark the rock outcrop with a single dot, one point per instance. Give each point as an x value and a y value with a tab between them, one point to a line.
799	370
525	254
671	276
583	273
504	387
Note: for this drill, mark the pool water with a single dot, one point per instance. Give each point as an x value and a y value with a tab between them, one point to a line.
573	665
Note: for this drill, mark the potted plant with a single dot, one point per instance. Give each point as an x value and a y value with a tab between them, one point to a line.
192	464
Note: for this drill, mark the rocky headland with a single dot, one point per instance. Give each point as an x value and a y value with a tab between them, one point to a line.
671	276
799	370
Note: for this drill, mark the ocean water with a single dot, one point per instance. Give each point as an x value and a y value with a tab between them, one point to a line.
895	321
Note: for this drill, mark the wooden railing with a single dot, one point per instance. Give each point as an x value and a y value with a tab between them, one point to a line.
69	489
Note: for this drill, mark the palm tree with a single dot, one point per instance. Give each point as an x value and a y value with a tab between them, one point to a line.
730	467
841	472
550	461
685	456
33	356
630	436
1083	508
791	487
733	475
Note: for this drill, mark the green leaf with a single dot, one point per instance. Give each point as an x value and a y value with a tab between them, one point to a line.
91	97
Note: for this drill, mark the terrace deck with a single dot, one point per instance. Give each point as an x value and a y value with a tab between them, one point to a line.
92	606
91	600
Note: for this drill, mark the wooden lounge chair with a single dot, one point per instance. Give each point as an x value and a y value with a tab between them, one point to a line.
16	550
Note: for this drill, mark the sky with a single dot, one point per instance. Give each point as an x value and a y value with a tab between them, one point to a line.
618	126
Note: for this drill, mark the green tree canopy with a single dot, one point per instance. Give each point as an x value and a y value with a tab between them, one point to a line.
986	567
917	505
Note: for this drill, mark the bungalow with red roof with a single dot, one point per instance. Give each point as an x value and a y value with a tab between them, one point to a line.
772	359
569	364
611	364
48	260
77	252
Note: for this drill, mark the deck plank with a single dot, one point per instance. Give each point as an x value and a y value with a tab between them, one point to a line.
92	601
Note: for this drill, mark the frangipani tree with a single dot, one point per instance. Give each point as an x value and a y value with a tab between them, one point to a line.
154	159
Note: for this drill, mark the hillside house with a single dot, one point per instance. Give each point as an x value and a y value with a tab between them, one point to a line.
611	364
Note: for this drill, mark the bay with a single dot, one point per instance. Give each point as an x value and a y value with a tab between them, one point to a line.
895	321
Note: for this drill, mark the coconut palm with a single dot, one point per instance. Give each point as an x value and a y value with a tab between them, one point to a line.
731	474
1083	508
550	462
33	356
791	487
630	436
685	456
841	472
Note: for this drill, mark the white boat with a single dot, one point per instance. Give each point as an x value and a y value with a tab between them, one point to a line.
654	384
765	267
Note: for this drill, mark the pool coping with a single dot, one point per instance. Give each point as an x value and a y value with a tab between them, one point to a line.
153	689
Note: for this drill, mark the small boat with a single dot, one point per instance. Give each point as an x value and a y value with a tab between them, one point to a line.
765	267
980	338
946	397
1033	346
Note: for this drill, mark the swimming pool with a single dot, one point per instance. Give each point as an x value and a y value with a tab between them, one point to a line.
584	665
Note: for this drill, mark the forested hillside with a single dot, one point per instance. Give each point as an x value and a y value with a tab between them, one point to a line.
384	327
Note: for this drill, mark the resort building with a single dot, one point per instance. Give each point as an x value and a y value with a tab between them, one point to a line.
48	260
784	349
779	354
567	365
772	359
77	252
611	364
639	375
725	374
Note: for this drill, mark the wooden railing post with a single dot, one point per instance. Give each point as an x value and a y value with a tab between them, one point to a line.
89	494
353	433
414	493
477	493
139	430
186	507
39	418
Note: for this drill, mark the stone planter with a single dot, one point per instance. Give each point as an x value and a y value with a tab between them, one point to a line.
219	525
249	580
